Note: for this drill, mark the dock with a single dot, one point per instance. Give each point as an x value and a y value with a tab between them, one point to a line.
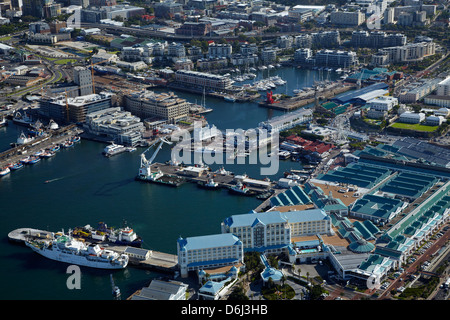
52	138
304	99
139	258
201	175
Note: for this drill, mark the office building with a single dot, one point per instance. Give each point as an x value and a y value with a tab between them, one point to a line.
83	78
114	124
74	109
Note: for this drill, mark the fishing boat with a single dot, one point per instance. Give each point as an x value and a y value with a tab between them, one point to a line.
67	144
34	159
65	248
4	171
47	154
55	148
23	139
16	166
75	139
23	119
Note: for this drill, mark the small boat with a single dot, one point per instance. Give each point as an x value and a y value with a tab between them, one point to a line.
55	148
16	166
75	139
4	171
229	98
34	159
47	154
3	122
67	144
25	160
38	153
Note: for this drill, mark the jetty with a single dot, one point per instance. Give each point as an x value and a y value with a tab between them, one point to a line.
140	258
199	174
307	97
51	138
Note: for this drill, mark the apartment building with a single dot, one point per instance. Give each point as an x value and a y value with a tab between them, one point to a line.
407	53
376	39
220	50
335	58
164	106
443	88
202	80
347	18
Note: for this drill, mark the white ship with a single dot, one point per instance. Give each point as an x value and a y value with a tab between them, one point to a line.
66	249
114	149
23	139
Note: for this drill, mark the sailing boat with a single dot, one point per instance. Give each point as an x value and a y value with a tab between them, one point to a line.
298	90
204	109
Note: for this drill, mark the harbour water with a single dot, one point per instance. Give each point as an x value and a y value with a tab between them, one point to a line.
85	188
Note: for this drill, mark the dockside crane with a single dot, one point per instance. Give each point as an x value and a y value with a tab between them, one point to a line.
145	164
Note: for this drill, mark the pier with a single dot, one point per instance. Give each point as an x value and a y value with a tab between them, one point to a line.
140	258
305	98
51	138
201	175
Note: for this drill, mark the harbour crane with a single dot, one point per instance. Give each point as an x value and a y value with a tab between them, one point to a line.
145	169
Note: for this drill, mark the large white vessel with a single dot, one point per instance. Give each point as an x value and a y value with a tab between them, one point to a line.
66	249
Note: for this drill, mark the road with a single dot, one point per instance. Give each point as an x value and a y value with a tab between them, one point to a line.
414	266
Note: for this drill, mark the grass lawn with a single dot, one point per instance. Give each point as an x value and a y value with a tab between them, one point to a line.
65	61
415	127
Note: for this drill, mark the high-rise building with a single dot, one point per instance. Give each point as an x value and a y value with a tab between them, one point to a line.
33	8
83	78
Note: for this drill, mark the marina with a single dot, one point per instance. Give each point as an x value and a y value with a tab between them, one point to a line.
108	185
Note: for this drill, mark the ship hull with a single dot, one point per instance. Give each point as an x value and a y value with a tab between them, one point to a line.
75	259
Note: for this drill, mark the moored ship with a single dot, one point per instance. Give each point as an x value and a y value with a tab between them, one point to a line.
66	249
123	236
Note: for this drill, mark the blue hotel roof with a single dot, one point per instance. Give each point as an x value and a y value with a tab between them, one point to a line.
250	219
208	241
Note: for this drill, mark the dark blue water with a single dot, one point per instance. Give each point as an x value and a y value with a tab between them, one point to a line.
87	188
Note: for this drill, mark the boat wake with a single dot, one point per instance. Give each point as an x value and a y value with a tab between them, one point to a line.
52	180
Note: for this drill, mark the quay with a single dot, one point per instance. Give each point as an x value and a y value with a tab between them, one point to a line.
140	258
57	137
306	98
201	175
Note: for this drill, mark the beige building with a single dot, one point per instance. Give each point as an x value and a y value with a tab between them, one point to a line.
347	18
165	106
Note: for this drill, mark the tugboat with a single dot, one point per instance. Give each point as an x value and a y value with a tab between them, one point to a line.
210	184
241	189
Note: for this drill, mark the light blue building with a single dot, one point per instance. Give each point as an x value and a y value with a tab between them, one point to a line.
211	251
